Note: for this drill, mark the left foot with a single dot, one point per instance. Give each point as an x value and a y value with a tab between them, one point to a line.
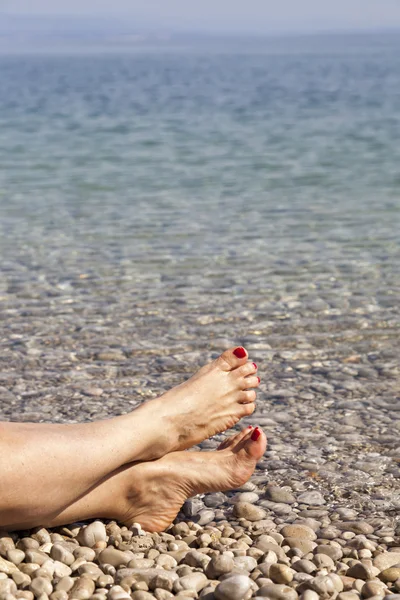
152	493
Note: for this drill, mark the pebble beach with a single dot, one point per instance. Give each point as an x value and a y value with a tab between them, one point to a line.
133	252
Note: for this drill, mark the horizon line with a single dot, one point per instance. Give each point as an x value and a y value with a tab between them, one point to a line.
151	27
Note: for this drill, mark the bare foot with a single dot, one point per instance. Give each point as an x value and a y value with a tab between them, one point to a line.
212	401
152	493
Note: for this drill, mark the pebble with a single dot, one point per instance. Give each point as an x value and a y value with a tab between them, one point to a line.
275	493
219	565
381	561
41	585
236	587
390	575
275	591
313	498
299	532
113	557
93	533
280	573
249	511
195	581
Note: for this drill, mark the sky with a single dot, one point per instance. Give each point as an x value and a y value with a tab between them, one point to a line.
224	15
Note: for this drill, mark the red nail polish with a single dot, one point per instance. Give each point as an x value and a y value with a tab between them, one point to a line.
240	352
255	366
256	434
250	427
259	380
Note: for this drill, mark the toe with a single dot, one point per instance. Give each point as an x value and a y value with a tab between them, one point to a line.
253	446
250	368
247	409
233	440
253	381
247	396
232	359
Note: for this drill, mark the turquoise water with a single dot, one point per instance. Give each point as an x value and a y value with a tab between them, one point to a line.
235	168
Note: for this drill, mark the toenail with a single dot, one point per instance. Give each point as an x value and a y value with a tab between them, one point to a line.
250	427
240	352
255	366
259	380
256	434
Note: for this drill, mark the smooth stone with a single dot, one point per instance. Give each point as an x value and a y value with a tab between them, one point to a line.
61	554
7	567
275	493
381	561
6	544
59	595
323	561
275	591
373	588
305	566
360	571
357	527
7	586
390	575
194	558
164	580
219	565
298	531
333	551
309	595
15	556
325	586
195	581
36	556
215	500
93	533
304	545
236	587
61	570
114	557
205	516
192	507
41	585
65	584
82	589
249	511
271	547
142	595
280	573
246	563
88	554
160	594
251	497
90	570
312	498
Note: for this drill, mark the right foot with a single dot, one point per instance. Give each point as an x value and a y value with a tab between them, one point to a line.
213	400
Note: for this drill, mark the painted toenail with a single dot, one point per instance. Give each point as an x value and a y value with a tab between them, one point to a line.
255	366
259	380
240	352
256	434
250	427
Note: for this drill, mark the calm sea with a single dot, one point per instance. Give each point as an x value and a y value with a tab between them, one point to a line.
222	169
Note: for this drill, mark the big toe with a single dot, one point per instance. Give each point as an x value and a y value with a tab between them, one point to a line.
254	445
232	358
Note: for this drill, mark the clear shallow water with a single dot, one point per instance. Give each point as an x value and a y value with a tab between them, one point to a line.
227	158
